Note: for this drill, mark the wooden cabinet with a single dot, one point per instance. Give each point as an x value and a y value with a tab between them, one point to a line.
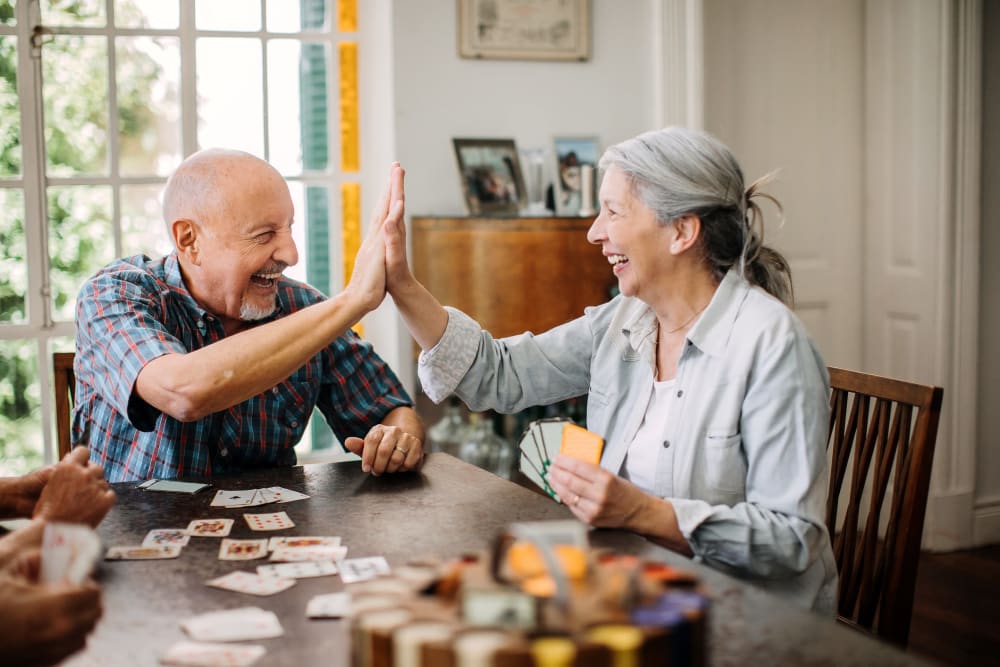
511	274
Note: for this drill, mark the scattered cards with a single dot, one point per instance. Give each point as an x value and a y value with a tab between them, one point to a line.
191	654
242	549
254	497
298	554
69	552
143	553
233	625
301	570
354	570
210	527
254	584
331	605
296	541
166	537
545	438
272	521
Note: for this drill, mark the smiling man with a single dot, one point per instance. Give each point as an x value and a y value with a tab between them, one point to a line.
209	360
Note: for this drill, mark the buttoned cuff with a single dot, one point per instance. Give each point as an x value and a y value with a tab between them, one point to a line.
443	366
691	514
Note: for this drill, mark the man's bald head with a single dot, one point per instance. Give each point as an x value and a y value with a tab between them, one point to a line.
208	183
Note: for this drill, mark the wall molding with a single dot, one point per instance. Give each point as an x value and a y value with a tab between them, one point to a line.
678	63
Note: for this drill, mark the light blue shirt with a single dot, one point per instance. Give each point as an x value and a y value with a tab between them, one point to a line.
749	471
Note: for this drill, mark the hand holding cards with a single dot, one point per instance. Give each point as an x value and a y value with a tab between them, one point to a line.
69	553
545	438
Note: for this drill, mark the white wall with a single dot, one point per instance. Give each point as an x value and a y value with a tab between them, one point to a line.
439	96
988	446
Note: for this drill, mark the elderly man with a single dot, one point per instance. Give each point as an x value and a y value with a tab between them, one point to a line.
44	623
209	361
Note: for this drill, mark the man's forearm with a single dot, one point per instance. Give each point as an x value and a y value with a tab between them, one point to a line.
234	369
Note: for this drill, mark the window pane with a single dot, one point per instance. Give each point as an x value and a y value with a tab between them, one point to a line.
283	16
13	266
73	13
20	415
10	110
228	15
80	241
159	14
7	11
148	80
297	108
75	87
143	229
230	97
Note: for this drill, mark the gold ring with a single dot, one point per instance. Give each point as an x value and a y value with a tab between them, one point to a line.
405	451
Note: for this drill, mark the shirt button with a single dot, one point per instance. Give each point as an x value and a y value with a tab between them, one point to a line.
201	324
680	392
666	444
274	390
295	424
224	452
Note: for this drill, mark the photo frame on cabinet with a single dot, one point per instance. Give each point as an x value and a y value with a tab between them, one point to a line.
519	30
572	154
491	175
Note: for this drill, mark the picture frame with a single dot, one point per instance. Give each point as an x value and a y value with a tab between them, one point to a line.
491	175
571	154
524	29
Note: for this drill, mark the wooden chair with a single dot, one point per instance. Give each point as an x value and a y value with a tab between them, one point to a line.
65	387
881	460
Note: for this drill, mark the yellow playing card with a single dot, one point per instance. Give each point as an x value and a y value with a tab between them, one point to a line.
581	444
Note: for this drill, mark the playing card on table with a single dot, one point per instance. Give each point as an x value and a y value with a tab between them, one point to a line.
299	570
272	521
69	552
330	605
285	541
242	549
354	570
191	654
233	625
254	584
243	498
166	537
209	527
298	554
143	553
283	495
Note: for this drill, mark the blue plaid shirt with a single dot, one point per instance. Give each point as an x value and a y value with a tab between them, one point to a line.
137	309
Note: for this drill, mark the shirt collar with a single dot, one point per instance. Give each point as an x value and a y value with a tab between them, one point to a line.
710	332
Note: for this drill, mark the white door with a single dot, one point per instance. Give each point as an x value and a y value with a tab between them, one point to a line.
784	89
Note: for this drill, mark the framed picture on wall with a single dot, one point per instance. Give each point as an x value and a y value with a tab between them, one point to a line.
572	155
524	29
491	175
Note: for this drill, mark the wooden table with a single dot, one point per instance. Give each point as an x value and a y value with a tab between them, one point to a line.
447	509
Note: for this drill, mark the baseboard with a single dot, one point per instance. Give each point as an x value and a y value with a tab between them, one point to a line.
948	525
986	524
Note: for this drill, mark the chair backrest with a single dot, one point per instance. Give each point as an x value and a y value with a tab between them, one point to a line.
881	461
65	386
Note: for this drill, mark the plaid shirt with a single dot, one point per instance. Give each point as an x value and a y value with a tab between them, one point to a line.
137	309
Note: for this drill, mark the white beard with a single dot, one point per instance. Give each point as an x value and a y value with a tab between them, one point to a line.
252	313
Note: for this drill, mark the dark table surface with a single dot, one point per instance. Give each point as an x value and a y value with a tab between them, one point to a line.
447	509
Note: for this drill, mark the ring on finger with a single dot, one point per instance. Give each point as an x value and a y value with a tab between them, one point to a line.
576	500
404	452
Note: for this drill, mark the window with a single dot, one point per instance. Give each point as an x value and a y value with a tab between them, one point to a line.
99	101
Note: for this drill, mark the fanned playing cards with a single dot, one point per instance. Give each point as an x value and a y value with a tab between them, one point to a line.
544	438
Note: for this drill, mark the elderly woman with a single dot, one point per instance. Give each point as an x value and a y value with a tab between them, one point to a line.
709	394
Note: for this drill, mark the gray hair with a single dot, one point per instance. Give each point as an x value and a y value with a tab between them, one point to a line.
677	171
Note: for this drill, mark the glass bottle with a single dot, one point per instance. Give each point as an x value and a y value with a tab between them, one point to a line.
484	448
448	432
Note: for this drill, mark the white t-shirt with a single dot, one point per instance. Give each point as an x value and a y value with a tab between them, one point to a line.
650	456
